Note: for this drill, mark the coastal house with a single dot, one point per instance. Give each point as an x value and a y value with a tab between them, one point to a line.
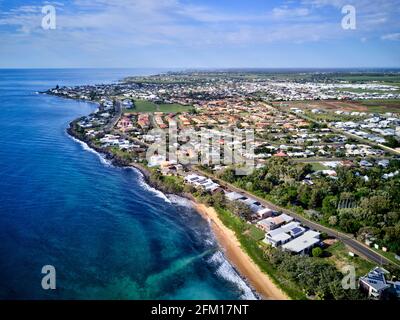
284	234
276	238
171	169
202	182
265	213
234	196
374	283
272	223
304	243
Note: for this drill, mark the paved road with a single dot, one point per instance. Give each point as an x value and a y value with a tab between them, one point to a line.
118	113
347	239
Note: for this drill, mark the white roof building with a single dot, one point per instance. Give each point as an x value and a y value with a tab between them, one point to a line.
303	243
283	234
234	196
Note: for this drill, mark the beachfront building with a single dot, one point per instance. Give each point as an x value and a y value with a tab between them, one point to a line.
284	234
259	211
202	182
272	223
265	213
304	243
234	196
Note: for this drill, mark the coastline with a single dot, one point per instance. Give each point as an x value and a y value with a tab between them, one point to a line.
225	237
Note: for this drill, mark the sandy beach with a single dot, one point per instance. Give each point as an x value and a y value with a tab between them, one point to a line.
231	246
244	264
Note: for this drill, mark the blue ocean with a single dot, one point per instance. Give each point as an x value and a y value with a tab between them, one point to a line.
107	233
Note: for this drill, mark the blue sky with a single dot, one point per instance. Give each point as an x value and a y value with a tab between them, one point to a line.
194	33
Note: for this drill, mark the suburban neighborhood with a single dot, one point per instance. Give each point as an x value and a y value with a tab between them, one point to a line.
201	128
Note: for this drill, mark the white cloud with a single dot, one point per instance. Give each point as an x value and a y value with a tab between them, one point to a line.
286	12
391	37
98	24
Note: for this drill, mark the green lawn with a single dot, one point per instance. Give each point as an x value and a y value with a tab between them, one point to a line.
256	233
339	255
317	166
380	106
148	106
245	233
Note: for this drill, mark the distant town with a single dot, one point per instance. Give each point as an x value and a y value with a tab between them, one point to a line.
324	190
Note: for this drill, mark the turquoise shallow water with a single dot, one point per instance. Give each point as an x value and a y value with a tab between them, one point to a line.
107	233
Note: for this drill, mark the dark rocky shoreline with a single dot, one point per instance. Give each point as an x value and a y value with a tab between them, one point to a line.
118	162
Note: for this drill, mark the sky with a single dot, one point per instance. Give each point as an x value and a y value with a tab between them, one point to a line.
199	34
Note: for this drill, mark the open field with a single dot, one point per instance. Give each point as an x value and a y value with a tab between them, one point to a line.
334	105
359	77
338	254
148	106
316	166
382	105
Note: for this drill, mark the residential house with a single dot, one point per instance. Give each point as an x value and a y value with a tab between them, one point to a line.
304	243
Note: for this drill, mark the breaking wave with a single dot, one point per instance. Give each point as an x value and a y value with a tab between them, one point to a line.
86	147
224	269
227	272
147	187
180	201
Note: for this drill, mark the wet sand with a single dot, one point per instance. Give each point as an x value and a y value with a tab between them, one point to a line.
239	258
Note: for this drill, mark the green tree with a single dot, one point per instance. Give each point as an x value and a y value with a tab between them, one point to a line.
329	205
317	252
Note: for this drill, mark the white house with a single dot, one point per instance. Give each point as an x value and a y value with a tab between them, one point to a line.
284	234
304	243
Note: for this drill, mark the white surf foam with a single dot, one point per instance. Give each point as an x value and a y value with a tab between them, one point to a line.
180	201
86	147
106	162
146	186
227	272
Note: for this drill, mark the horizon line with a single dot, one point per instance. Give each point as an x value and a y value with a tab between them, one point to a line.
204	68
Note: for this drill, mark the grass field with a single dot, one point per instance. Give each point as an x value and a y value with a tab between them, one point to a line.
339	255
316	166
373	105
148	106
246	238
382	105
386	78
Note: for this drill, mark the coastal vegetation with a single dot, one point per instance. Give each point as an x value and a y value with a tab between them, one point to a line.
366	207
298	276
354	198
168	184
